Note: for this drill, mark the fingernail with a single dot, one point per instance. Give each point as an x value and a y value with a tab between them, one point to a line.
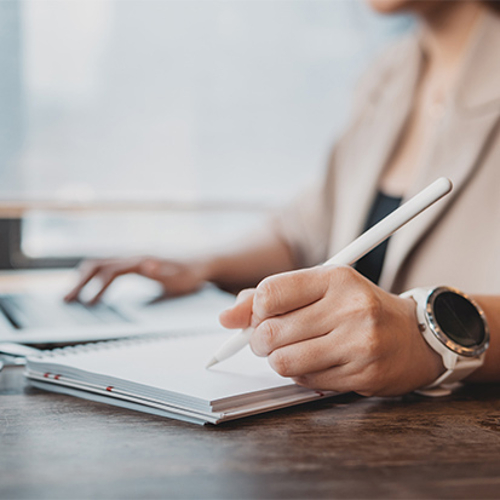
236	302
224	311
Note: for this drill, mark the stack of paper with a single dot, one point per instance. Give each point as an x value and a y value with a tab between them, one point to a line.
166	376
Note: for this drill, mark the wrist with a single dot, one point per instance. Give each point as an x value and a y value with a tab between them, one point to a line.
215	269
228	272
203	268
428	364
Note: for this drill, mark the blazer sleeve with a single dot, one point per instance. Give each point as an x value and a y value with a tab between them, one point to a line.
305	224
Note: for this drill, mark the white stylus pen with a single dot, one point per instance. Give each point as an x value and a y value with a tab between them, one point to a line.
357	249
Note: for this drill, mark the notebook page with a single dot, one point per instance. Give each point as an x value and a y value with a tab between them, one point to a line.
171	364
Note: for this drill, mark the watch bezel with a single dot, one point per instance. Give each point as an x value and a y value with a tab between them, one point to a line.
473	351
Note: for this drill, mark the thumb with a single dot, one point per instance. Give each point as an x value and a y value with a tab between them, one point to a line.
240	314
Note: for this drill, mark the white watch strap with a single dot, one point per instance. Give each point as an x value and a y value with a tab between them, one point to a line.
448	381
463	368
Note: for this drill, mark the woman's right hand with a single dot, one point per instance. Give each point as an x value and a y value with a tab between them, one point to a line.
176	277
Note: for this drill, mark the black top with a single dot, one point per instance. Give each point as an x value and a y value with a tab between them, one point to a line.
371	264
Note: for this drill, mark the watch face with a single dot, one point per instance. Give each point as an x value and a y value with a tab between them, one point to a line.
459	319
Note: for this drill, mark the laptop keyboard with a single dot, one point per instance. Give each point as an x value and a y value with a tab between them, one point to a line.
38	311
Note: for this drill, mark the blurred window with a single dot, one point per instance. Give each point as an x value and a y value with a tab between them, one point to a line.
210	100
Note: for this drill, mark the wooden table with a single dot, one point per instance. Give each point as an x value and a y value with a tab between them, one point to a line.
55	446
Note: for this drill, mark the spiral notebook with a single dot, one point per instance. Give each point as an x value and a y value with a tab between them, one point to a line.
166	376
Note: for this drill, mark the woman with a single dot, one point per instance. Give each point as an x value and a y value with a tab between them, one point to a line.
429	107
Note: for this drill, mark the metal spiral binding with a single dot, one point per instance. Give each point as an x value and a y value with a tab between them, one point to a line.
115	343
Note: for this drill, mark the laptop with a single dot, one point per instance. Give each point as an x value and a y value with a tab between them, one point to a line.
35	313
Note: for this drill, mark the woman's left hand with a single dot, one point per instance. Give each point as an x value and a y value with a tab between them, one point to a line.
330	328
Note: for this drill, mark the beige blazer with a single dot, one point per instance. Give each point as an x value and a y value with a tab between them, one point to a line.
456	242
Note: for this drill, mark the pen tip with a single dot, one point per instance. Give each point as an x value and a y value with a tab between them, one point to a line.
211	363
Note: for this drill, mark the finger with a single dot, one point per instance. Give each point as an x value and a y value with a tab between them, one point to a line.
87	271
239	315
310	356
340	378
286	292
312	321
106	279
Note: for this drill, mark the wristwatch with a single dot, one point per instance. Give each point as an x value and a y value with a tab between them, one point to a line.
455	327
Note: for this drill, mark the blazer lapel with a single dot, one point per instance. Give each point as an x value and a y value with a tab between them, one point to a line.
460	141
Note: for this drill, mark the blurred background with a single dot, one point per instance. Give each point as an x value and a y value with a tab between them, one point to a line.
163	126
